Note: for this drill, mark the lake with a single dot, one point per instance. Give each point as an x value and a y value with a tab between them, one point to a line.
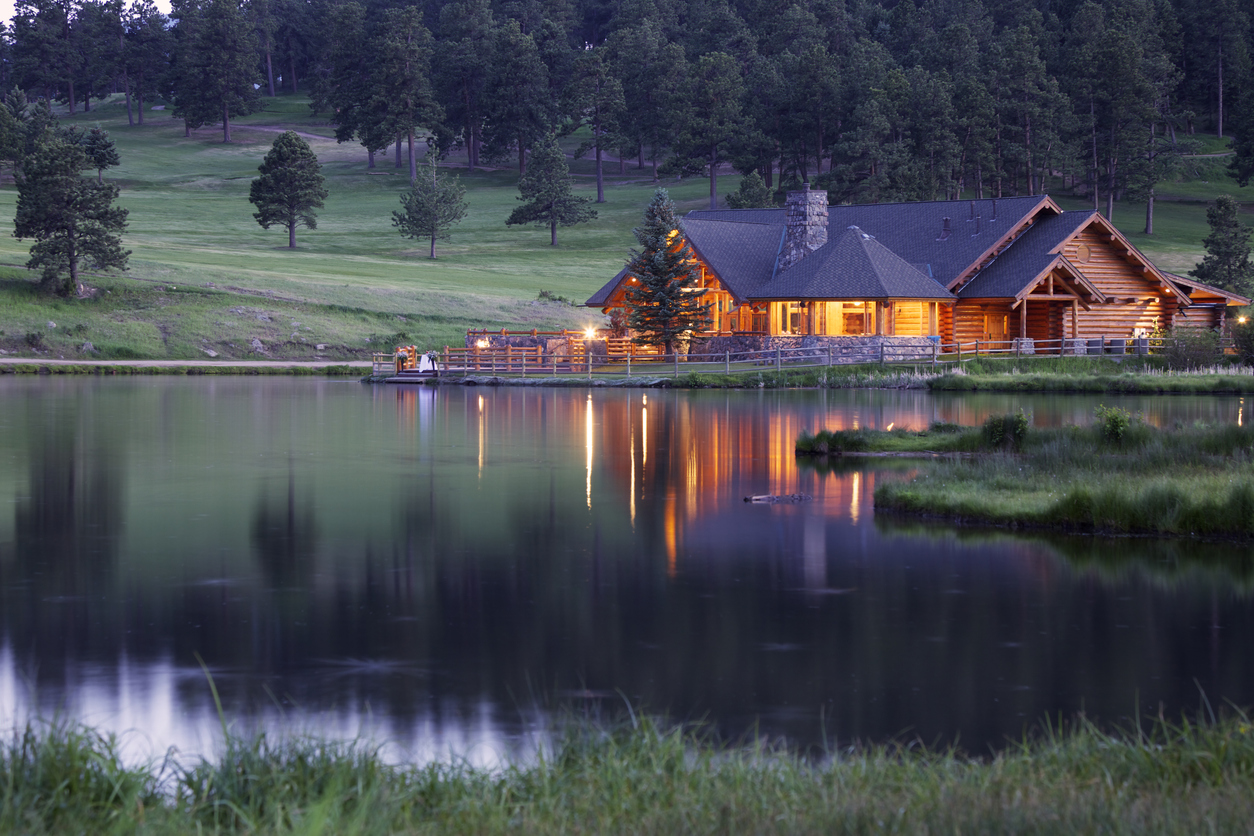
454	570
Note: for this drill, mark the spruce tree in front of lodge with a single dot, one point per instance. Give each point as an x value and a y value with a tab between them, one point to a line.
1227	262
664	286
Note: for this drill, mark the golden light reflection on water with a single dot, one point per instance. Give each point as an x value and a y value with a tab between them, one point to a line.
482	437
855	496
588	445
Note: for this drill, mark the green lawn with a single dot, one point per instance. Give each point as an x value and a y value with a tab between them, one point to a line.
191	227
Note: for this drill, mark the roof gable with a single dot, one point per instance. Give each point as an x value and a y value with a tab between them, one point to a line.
854	266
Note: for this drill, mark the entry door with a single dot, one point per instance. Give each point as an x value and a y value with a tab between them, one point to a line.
995	325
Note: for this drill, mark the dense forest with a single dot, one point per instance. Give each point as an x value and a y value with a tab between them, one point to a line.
870	99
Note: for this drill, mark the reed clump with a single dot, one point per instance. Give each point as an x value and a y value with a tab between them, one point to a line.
1119	474
647	777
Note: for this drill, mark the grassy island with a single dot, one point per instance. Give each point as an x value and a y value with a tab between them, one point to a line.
1118	475
1157	777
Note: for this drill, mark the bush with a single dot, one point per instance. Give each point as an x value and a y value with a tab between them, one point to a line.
1192	348
1113	422
35	339
1006	430
1243	340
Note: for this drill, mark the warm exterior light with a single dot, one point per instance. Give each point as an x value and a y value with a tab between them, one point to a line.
590	333
481	344
1241	320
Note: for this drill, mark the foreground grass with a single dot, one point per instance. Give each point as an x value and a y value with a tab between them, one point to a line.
1157	777
1116	477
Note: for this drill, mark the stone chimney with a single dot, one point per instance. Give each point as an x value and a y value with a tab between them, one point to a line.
806	229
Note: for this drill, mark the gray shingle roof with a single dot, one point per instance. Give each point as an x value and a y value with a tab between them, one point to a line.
912	230
742	254
853	266
1028	258
742	245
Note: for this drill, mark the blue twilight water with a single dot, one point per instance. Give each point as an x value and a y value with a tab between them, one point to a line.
449	569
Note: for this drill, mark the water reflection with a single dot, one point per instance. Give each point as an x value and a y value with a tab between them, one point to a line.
444	568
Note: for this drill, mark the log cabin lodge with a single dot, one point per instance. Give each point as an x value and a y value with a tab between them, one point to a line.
997	270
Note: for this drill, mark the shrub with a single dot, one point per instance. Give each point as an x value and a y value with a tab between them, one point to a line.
1113	422
1009	430
1191	348
1243	340
35	339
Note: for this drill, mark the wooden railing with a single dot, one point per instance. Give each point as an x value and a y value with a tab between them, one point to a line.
623	361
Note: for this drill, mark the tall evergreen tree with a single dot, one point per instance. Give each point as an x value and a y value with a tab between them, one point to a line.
665	293
1227	260
431	207
520	107
101	152
595	98
715	119
545	190
147	54
290	188
72	218
216	66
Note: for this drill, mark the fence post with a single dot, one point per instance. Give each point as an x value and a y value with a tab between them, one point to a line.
588	355
1016	349
881	352
629	361
1103	349
524	363
977	349
675	357
554	357
935	350
727	362
779	362
960	354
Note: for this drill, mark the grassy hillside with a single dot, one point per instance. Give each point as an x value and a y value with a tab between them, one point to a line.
205	277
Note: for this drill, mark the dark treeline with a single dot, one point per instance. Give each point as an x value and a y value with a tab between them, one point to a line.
870	99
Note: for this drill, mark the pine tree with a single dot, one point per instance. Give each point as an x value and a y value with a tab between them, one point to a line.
290	186
432	206
215	66
72	219
1227	262
664	292
101	152
546	189
752	194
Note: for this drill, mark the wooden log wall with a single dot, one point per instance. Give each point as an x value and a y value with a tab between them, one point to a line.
1136	299
968	319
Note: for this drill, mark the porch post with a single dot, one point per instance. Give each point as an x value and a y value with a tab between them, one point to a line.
1023	319
879	319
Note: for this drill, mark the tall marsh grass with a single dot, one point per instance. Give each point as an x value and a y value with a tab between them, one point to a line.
1152	777
1118	475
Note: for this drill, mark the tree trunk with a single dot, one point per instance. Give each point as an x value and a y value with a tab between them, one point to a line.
71	85
269	68
413	168
130	120
640	151
522	157
433	243
1220	114
1149	213
553	232
226	122
291	234
1093	129
1112	164
398	150
292	63
187	128
596	134
369	159
654	164
714	177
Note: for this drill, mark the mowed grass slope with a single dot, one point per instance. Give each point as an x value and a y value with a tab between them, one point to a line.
191	227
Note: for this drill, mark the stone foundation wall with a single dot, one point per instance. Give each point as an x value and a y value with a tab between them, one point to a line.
843	350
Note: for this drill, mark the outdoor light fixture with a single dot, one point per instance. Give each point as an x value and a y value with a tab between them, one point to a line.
590	333
481	344
1241	320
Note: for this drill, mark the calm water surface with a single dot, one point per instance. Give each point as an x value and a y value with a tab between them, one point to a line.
450	569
